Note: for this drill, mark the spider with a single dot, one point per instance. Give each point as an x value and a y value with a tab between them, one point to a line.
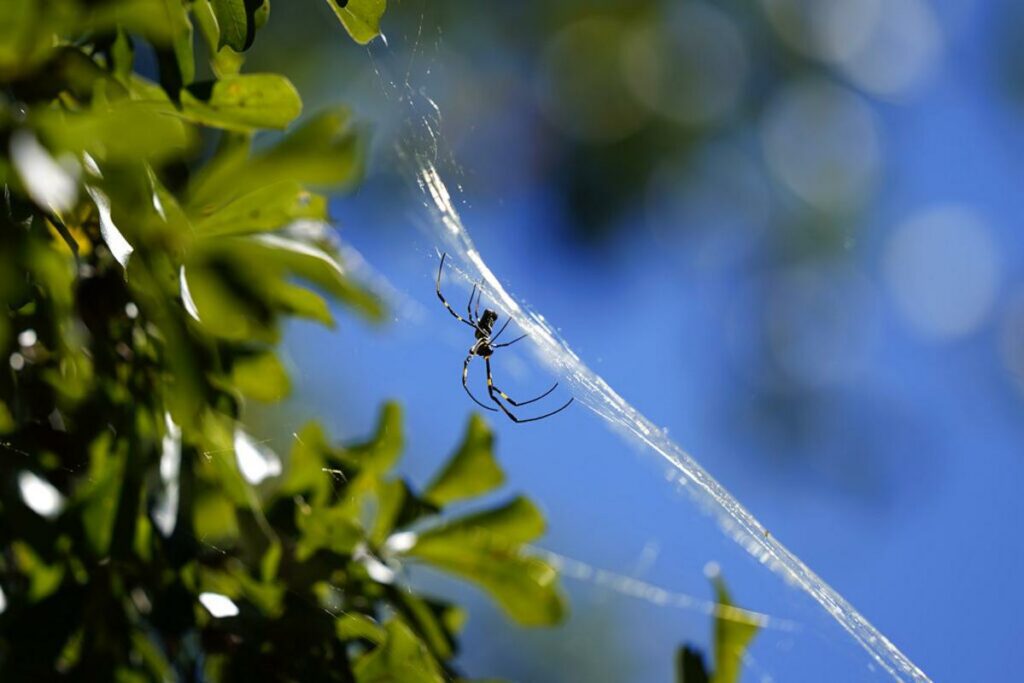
484	347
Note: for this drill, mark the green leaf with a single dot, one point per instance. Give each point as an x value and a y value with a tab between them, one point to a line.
472	471
382	451
261	376
326	151
402	658
510	525
177	21
43	578
23	37
435	622
123	55
315	266
306	462
734	629
391	497
120	132
233	22
361	18
242	103
334	528
486	548
100	496
355	626
267	208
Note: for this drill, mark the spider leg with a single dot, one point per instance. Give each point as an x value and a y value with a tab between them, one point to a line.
445	301
498	346
479	297
465	372
495	337
469	306
491	389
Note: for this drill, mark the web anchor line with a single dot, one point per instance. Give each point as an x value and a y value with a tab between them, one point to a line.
418	150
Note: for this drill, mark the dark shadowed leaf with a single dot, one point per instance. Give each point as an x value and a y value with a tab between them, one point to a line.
690	666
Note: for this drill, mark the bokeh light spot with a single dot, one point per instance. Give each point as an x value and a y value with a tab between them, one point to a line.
822	142
942	270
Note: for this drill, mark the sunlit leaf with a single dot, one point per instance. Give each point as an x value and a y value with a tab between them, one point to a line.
312	264
267	208
243	102
334	529
384	448
472	471
325	151
261	376
486	548
361	18
734	629
122	131
354	626
306	462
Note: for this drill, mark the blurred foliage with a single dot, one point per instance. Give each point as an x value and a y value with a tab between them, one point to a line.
733	631
149	256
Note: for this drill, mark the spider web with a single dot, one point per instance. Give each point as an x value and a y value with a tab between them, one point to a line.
418	144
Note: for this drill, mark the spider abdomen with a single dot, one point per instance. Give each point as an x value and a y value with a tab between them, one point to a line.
482	348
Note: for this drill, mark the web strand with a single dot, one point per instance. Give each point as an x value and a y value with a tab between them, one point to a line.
417	149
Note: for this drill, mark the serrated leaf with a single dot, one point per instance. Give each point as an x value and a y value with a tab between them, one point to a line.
486	548
361	18
402	658
243	102
472	471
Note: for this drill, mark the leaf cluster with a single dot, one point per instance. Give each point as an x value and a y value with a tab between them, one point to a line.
151	250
